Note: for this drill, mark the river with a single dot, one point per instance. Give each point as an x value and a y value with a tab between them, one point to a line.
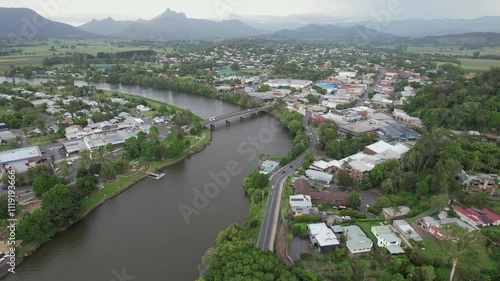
141	234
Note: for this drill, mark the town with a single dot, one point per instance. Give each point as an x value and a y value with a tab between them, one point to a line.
391	170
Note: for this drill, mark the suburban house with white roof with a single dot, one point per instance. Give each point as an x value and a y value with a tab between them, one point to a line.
322	237
390	213
356	240
406	230
387	238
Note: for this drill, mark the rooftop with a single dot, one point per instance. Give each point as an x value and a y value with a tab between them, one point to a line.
19	154
323	235
356	239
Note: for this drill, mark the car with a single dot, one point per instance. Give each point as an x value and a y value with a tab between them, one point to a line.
212	118
272	187
283	172
291	166
271	194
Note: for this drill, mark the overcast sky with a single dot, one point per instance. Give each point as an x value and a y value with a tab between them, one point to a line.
80	11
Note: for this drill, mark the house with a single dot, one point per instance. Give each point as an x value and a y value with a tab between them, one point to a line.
269	167
334	198
478	218
7	136
406	230
74	132
432	226
390	213
322	237
387	238
356	240
301	205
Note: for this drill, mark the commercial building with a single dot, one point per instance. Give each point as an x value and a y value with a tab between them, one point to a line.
20	159
334	198
320	176
298	84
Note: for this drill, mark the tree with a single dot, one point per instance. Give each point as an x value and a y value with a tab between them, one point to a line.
4	207
175	147
427	273
476	54
235	66
153	133
461	244
61	205
43	183
34	227
86	185
354	200
108	170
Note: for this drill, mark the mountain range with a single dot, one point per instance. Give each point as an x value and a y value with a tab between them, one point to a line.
27	23
172	25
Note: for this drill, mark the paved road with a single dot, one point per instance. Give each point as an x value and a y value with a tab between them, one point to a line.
380	76
228	116
269	224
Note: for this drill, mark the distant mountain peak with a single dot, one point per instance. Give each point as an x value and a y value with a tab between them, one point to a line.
108	19
171	14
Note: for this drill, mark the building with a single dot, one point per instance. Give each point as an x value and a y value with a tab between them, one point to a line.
390	213
301	205
432	226
322	237
334	198
20	159
320	176
75	132
356	240
406	230
298	84
269	167
7	136
387	238
300	200
478	218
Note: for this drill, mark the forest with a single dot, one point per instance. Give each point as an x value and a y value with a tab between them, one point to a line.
460	105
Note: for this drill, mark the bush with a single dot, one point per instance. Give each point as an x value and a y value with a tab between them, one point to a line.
308	219
353	214
374	211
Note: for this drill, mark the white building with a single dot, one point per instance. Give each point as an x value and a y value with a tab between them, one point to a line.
300	201
298	84
387	239
320	176
322	237
20	159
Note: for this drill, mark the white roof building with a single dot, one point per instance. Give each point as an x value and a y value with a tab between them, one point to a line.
300	201
356	239
322	236
387	239
321	176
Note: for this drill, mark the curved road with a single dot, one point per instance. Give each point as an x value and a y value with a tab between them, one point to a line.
268	229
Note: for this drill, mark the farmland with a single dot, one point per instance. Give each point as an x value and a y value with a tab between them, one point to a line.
36	51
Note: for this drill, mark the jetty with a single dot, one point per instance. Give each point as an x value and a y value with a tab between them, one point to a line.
155	176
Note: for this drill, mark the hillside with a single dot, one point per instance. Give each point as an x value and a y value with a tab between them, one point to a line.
464	105
108	26
171	25
470	40
27	23
356	34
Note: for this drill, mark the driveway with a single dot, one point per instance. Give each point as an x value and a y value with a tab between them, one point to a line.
299	246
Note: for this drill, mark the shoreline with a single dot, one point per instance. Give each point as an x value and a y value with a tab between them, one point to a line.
129	184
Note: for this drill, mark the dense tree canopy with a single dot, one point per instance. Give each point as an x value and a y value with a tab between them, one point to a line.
460	105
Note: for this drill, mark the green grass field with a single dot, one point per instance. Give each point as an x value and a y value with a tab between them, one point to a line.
451	50
477	65
34	54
